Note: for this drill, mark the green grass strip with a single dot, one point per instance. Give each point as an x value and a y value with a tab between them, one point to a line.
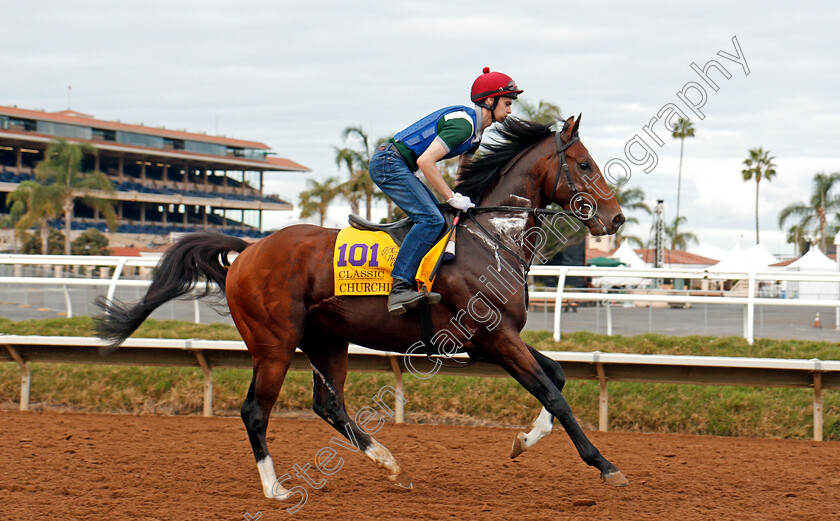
637	407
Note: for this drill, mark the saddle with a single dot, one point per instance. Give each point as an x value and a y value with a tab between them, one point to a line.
399	229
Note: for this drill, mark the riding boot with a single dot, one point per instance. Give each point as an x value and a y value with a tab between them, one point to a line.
403	297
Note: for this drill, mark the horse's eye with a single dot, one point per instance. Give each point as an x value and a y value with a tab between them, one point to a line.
584	165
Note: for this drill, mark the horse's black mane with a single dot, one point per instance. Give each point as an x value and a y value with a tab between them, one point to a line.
516	136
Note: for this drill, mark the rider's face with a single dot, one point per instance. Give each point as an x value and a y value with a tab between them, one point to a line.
503	109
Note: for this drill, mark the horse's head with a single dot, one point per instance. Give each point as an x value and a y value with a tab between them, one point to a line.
577	184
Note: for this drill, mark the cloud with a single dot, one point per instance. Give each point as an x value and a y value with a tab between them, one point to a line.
293	74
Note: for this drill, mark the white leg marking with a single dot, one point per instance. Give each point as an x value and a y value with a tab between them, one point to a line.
271	489
383	459
541	428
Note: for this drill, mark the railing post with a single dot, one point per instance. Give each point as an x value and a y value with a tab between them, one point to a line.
399	400
603	398
197	312
558	303
818	406
750	325
608	308
208	383
67	301
112	287
25	377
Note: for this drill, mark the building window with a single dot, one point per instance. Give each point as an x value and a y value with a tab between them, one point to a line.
140	140
60	129
173	144
28	125
253	153
102	134
205	148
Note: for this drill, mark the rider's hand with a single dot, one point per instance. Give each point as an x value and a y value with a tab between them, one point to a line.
460	202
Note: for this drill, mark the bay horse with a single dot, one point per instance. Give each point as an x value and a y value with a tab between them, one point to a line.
280	292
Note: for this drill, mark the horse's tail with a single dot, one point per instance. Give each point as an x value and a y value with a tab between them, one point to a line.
195	257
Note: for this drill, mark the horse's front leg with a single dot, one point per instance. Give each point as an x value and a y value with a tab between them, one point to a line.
512	354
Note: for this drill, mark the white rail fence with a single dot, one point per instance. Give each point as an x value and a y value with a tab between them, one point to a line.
748	303
602	367
62	265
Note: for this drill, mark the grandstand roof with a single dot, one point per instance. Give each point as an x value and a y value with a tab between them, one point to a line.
220	162
78	118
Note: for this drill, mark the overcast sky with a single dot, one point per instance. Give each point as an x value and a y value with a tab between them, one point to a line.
293	74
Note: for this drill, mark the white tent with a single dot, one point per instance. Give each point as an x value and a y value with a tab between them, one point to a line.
631	259
754	258
813	261
628	256
760	255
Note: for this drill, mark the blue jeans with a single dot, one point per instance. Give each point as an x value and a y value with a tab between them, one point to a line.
391	174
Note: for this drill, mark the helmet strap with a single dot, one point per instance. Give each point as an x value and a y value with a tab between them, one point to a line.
491	108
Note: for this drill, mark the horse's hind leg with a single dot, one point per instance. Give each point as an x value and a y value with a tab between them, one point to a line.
269	373
542	425
328	356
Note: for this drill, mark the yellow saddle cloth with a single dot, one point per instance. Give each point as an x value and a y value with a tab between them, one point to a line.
363	260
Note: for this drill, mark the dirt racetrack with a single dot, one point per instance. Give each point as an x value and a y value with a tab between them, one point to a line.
115	467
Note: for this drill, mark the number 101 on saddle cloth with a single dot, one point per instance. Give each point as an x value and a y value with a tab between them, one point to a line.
363	260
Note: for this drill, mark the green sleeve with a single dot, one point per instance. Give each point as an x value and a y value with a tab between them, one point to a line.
453	132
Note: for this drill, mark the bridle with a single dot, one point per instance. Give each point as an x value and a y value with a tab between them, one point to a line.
563	165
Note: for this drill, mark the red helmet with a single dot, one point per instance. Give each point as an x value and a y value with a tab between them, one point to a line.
493	84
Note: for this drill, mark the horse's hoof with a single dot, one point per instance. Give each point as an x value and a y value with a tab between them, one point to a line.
615	478
279	495
518	445
403	481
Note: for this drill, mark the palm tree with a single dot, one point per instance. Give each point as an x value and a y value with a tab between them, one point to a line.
758	165
813	215
544	113
797	236
41	203
682	130
318	198
357	162
16	211
630	199
62	166
679	239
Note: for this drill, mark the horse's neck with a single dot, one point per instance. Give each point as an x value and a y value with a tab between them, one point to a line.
516	188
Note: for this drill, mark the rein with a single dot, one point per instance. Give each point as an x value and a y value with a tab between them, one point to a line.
520	209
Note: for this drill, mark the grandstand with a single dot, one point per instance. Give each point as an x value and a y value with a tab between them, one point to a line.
167	181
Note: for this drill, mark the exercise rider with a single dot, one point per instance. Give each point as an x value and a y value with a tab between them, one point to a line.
449	132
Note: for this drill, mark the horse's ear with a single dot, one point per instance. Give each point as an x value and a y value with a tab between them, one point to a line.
576	125
567	124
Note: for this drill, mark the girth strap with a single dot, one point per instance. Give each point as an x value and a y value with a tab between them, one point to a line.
427	329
